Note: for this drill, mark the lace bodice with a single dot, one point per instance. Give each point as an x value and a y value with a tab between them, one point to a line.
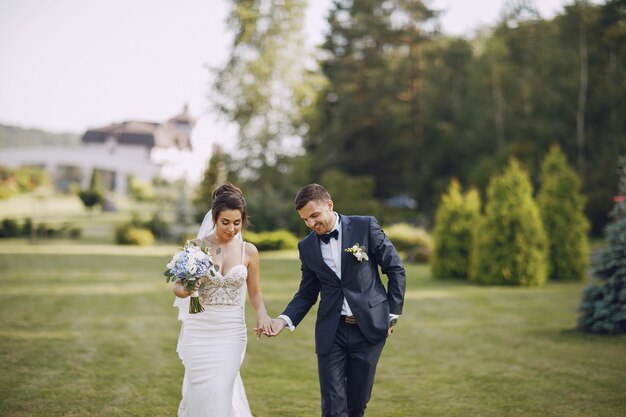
225	290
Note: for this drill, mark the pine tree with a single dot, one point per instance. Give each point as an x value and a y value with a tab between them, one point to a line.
370	112
603	307
455	221
564	221
510	244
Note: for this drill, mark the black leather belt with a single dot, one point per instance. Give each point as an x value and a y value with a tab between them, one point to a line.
348	319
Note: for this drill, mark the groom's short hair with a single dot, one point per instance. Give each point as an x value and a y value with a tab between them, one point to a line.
311	192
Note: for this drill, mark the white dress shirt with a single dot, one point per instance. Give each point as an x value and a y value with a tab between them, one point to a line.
331	253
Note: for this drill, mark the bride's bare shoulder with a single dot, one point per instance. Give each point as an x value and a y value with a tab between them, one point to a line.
251	250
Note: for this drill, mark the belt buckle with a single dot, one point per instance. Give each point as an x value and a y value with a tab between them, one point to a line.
350	320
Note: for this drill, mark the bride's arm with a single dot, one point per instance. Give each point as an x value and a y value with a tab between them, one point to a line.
255	296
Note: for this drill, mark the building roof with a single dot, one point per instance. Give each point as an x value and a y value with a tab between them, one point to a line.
176	132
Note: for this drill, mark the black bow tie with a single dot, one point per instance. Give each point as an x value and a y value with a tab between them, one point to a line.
326	238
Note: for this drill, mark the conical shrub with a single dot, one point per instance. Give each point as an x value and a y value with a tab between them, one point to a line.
456	218
510	244
562	211
603	307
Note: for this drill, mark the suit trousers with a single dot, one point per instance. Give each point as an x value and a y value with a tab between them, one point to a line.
347	371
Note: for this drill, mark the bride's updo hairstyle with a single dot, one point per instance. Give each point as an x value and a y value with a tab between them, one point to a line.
228	197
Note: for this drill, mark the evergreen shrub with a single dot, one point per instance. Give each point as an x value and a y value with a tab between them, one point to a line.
455	222
562	211
603	306
274	240
510	244
127	234
414	242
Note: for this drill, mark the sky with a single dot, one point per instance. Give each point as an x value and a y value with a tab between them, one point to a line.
70	65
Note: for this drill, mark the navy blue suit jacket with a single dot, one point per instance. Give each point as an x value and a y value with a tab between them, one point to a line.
360	283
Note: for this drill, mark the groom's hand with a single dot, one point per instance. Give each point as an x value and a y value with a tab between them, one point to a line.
277	326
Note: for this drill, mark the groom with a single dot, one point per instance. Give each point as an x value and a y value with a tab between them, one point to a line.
356	314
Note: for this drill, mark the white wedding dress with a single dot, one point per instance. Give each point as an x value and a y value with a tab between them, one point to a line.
212	345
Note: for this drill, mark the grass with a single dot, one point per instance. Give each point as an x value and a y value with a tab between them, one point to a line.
89	330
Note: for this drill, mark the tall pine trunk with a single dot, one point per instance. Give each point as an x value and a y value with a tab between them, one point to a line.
582	94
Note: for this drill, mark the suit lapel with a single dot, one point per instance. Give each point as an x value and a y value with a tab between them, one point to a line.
346	242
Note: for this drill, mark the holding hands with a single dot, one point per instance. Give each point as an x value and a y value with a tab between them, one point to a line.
271	329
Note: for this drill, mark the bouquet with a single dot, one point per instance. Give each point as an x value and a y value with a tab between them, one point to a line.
188	265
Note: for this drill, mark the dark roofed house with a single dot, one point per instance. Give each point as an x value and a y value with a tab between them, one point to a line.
165	146
175	133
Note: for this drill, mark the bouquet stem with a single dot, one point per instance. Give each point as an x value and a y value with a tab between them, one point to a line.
194	303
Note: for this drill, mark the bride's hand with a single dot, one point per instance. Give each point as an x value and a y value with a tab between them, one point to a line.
181	290
263	325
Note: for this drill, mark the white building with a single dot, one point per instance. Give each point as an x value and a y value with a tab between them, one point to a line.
143	150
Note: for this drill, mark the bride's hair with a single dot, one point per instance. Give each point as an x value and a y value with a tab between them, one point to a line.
228	197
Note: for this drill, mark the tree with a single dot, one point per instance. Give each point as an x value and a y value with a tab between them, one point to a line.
261	86
267	88
369	115
94	195
603	306
352	194
455	226
510	245
562	212
215	174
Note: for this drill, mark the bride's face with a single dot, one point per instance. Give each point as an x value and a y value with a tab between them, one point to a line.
229	223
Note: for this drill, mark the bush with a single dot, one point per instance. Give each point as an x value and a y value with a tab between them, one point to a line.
29	178
91	198
127	234
274	240
140	190
455	223
159	227
27	227
8	189
562	212
184	237
20	180
9	228
75	233
415	242
510	245
603	307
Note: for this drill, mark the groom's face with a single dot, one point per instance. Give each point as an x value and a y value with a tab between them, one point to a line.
318	216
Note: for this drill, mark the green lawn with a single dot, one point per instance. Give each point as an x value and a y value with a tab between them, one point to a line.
89	330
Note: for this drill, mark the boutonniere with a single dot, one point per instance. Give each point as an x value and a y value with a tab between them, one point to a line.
359	252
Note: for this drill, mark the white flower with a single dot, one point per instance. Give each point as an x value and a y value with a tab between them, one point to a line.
359	252
193	269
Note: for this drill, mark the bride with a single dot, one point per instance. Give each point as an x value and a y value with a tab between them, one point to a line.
212	344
